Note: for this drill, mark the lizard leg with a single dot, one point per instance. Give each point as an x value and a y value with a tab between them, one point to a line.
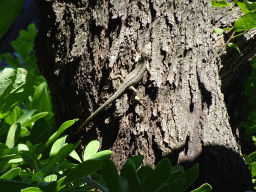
136	95
131	88
113	77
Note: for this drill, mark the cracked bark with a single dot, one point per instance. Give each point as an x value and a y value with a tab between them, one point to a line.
185	118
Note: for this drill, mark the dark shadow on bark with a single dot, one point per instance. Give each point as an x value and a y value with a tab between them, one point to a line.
222	168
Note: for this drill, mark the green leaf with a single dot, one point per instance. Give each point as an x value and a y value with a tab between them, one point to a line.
190	176
41	148
13	186
250	5
24	55
26	116
143	172
56	147
4	164
24	44
31	189
82	170
243	7
174	176
50	178
12	61
9	11
22	147
129	173
59	182
15	87
27	156
7	157
101	154
253	169
158	176
60	156
38	177
94	184
233	45
247	22
110	176
14	115
131	162
221	4
164	188
75	156
30	156
16	160
137	159
13	135
252	156
203	188
62	128
227	29
49	187
11	174
177	168
91	149
34	118
247	159
32	148
5	151
177	184
41	98
40	132
218	30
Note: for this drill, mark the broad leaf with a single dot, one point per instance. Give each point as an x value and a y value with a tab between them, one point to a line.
11	174
158	176
190	176
82	170
129	173
40	132
13	186
203	188
143	172
221	4
15	87
247	22
62	128
137	159
110	176
13	135
91	149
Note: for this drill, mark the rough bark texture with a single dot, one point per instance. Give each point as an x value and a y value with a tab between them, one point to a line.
185	118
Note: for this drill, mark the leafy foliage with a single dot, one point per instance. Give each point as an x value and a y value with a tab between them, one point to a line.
250	90
134	177
250	124
245	23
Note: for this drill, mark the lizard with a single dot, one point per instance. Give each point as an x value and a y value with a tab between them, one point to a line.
131	79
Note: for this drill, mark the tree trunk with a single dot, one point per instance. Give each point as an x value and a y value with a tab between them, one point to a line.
184	117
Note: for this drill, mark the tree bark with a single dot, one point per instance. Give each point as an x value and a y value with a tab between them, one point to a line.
185	118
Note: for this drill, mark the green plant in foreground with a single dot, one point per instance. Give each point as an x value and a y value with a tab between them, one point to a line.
24	169
144	178
30	173
251	161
